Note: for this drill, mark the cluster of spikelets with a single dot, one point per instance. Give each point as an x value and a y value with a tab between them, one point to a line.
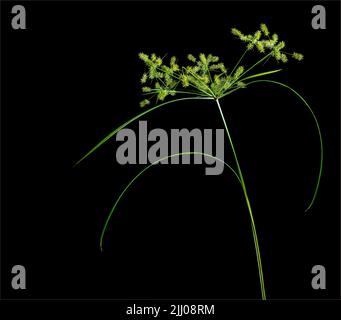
264	42
205	75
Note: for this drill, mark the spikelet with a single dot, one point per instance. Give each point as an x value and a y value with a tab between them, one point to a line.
158	61
205	78
244	38
173	65
236	33
191	58
162	94
222	67
144	78
257	36
153	57
277	55
144	103
212	59
298	56
284	58
281	45
264	29
238	72
146	89
260	47
144	57
219	66
184	80
275	38
202	58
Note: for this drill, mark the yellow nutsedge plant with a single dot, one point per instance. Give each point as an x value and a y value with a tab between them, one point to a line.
206	77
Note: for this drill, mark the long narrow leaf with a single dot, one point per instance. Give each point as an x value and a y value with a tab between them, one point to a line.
318	129
143	171
261	74
112	133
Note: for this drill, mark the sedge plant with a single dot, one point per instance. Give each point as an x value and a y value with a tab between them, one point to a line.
205	77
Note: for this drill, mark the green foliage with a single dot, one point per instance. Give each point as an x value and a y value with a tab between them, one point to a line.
205	75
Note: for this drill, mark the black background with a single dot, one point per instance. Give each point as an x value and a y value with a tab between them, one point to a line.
73	76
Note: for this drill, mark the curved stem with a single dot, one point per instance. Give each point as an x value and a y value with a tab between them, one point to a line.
144	170
111	134
253	226
318	129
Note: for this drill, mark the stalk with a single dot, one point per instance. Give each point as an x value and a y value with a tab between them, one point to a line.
257	63
239	61
253	226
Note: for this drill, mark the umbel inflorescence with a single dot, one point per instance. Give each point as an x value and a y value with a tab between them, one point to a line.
206	75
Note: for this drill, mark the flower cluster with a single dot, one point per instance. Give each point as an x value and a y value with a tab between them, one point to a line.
205	75
265	42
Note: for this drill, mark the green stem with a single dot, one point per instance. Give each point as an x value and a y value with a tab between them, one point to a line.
257	63
253	226
239	61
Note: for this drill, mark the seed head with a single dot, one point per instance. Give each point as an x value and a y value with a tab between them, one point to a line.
264	29
297	56
144	103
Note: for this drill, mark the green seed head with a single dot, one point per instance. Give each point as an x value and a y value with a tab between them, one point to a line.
297	56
